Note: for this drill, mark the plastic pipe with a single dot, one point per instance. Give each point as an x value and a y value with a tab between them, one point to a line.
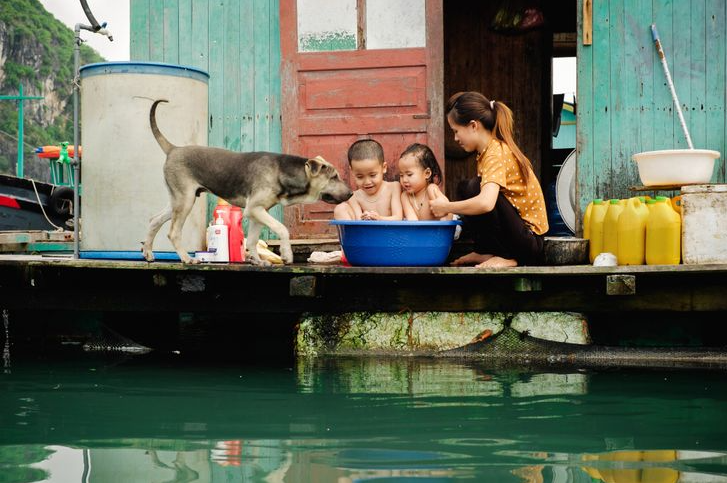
662	57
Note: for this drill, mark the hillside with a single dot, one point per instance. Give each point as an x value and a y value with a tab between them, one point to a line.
37	50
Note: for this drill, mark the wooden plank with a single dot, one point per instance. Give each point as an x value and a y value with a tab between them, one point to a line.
602	104
156	34
122	286
49	247
231	73
247	68
663	106
435	80
275	136
716	127
217	74
680	68
274	95
587	22
7	238
184	12
624	99
289	75
139	30
258	125
312	61
171	31
261	75
646	69
200	35
585	177
361	24
698	71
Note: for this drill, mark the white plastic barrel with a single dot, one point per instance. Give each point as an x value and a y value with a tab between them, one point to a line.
121	170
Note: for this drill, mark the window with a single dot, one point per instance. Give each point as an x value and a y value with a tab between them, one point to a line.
327	25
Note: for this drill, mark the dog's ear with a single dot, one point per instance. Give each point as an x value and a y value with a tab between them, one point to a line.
314	166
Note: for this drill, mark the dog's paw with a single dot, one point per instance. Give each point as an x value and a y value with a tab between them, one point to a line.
187	260
147	254
287	255
259	262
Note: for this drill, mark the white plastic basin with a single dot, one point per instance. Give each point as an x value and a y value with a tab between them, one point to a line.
676	166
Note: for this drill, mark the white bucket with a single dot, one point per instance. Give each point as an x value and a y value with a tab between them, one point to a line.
122	180
676	166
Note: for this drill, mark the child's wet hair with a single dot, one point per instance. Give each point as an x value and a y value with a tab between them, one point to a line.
365	149
426	158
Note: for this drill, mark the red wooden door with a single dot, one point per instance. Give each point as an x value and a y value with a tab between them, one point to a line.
332	98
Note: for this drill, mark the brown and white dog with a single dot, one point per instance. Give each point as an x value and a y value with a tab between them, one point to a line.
255	181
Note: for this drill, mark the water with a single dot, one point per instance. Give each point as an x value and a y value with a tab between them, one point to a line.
355	420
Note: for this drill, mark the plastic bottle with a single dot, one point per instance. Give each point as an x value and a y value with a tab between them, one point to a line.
218	239
237	236
650	202
663	235
232	215
595	244
632	233
587	219
610	226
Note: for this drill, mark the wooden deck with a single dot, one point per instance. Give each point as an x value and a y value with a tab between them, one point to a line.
61	283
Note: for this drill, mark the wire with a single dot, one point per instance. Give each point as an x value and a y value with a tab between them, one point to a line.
37	196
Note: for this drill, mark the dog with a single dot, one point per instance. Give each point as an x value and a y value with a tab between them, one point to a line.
255	181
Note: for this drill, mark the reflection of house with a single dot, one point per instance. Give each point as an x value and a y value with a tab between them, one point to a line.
386	69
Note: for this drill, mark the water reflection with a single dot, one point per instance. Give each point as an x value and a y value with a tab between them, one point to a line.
350	420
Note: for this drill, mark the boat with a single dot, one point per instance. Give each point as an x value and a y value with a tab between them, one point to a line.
27	204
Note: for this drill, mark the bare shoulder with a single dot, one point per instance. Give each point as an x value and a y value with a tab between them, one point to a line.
394	186
433	190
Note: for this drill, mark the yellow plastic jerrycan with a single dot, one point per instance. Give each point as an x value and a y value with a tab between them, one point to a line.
587	219
632	233
610	226
663	235
595	241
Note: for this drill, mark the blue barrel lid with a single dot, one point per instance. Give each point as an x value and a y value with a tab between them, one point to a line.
153	68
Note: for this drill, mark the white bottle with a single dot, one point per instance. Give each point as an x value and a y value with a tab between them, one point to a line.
217	240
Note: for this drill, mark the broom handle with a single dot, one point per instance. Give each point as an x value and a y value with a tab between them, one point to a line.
662	57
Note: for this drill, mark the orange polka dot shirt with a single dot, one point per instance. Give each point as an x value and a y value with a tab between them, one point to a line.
497	164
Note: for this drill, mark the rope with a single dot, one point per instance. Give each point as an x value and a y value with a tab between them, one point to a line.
37	197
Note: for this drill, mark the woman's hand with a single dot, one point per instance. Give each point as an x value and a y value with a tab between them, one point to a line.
439	207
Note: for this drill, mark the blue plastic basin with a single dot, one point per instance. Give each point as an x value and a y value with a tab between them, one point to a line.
396	243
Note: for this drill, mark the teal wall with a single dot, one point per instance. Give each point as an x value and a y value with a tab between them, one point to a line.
624	104
238	43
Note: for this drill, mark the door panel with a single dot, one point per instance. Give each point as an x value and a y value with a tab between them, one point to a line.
333	98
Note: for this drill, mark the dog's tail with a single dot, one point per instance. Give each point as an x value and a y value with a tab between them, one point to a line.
163	142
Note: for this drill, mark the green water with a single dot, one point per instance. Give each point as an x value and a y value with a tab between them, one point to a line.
355	420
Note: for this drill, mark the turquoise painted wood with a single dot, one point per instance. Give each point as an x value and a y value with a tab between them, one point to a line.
624	105
238	43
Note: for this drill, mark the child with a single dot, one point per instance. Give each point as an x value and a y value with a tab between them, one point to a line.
505	210
375	199
419	175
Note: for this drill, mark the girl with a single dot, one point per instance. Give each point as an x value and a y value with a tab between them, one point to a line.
504	210
419	175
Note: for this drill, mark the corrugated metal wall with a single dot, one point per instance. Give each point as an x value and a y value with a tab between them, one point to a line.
238	43
624	104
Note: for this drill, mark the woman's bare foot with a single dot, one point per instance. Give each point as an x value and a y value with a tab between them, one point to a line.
471	258
497	262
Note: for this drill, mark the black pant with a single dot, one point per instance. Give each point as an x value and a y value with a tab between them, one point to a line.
500	232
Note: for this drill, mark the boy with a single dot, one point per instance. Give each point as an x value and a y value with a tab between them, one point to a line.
375	199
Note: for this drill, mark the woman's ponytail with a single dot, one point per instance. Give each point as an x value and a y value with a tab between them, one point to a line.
503	130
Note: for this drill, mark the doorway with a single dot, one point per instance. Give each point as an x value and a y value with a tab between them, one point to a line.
487	49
